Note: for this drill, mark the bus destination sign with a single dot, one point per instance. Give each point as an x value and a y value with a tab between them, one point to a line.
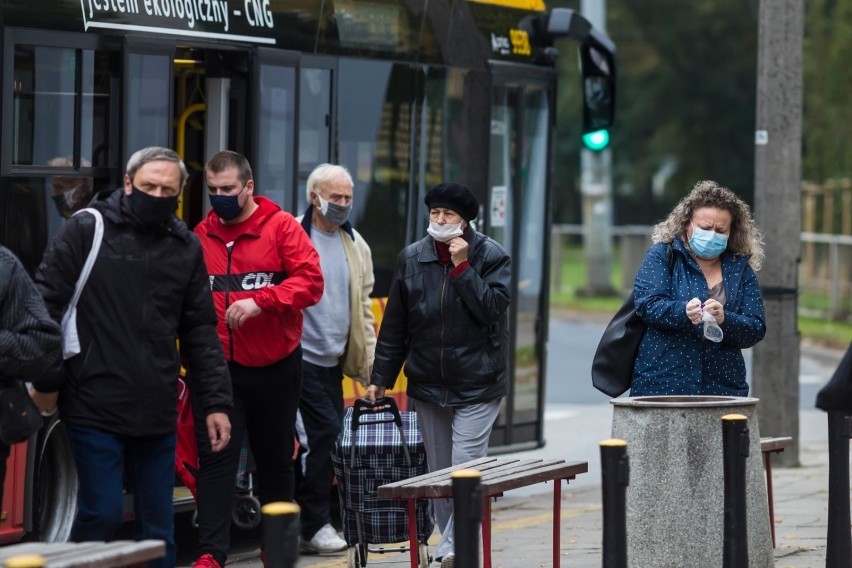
237	20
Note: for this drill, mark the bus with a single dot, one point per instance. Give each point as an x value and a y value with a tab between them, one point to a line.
404	93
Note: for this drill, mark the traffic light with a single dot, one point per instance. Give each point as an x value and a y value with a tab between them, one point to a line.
597	140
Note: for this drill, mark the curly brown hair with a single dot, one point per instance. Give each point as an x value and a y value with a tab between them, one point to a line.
744	239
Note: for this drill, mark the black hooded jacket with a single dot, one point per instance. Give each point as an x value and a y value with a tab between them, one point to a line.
148	288
451	332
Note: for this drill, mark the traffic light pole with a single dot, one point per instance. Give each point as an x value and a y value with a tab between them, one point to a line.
596	190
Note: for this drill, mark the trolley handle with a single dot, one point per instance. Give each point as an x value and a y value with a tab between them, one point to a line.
385	404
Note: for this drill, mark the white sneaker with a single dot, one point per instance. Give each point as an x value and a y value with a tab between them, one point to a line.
326	540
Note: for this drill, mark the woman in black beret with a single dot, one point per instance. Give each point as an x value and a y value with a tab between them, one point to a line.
446	320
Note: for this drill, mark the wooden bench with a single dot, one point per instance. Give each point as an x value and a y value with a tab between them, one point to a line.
769	446
498	475
89	554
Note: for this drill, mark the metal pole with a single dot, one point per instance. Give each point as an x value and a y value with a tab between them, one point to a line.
615	477
838	538
467	515
735	452
280	534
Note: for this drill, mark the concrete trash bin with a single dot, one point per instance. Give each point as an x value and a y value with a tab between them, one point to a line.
675	500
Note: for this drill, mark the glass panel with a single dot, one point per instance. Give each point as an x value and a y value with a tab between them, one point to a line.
501	164
28	217
95	125
148	111
314	123
375	144
273	171
529	258
44	104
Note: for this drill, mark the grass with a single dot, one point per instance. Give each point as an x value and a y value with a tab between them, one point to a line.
568	297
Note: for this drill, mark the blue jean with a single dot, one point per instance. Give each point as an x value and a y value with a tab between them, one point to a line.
100	457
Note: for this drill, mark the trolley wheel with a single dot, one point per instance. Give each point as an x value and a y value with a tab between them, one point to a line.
352	557
423	555
246	514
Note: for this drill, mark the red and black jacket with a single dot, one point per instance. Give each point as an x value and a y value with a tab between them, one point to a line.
269	258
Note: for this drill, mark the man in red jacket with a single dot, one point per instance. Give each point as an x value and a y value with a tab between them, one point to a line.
263	271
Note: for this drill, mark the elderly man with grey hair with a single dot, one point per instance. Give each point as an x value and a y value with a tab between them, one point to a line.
338	338
118	396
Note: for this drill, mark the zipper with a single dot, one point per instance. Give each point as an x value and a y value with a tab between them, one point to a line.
443	377
230	248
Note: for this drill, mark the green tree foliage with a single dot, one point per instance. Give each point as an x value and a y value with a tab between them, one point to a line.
687	76
827	115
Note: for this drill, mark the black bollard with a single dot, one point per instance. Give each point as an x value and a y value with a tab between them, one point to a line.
615	477
735	452
467	515
838	540
280	534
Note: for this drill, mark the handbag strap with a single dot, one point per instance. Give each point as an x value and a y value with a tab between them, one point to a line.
93	254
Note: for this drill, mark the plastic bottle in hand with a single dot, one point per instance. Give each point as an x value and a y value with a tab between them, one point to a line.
712	331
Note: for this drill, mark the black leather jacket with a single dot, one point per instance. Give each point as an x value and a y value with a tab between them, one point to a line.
451	332
148	287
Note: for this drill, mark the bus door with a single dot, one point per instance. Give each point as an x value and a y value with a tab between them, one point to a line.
517	216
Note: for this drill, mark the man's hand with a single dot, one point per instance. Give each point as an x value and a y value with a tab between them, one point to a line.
241	310
373	392
44	401
219	430
458	250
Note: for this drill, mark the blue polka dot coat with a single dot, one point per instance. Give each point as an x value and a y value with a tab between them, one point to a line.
674	358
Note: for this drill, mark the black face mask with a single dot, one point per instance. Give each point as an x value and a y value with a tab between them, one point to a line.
65	211
152	210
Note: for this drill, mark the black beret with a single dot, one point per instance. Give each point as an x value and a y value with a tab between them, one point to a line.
453	196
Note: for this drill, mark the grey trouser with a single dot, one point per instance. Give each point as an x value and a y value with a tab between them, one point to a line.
451	436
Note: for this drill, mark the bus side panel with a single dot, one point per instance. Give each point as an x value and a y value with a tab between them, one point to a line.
353	390
14	489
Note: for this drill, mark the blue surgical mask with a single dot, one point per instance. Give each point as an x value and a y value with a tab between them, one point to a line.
227	207
707	244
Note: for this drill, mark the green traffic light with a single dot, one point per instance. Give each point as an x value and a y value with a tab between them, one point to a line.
597	140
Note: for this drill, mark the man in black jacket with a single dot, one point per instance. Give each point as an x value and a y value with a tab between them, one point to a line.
148	287
30	342
446	319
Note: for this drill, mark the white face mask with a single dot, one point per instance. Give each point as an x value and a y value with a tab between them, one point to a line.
446	232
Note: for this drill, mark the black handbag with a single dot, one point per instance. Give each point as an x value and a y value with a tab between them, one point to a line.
612	366
19	416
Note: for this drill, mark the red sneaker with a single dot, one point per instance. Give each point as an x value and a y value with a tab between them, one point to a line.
206	561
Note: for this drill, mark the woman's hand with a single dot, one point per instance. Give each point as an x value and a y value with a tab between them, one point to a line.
693	311
373	392
715	309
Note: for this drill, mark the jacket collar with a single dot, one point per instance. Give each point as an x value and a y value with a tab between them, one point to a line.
309	214
114	206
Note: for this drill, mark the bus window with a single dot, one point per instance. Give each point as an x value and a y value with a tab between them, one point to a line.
273	165
147	111
374	131
314	125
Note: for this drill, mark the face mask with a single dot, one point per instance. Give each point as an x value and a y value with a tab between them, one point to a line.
707	244
334	213
446	232
64	205
152	210
227	207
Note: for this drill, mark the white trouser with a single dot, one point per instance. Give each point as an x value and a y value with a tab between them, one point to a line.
452	436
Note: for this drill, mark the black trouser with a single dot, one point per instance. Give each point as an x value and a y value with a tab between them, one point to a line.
321	407
265	403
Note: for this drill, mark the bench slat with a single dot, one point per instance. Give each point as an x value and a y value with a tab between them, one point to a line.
89	554
499	476
775	444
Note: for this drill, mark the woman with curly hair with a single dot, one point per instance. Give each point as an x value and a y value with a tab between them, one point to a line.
703	261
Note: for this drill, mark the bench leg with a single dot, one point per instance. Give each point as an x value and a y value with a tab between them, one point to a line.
412	533
767	466
486	532
557	518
